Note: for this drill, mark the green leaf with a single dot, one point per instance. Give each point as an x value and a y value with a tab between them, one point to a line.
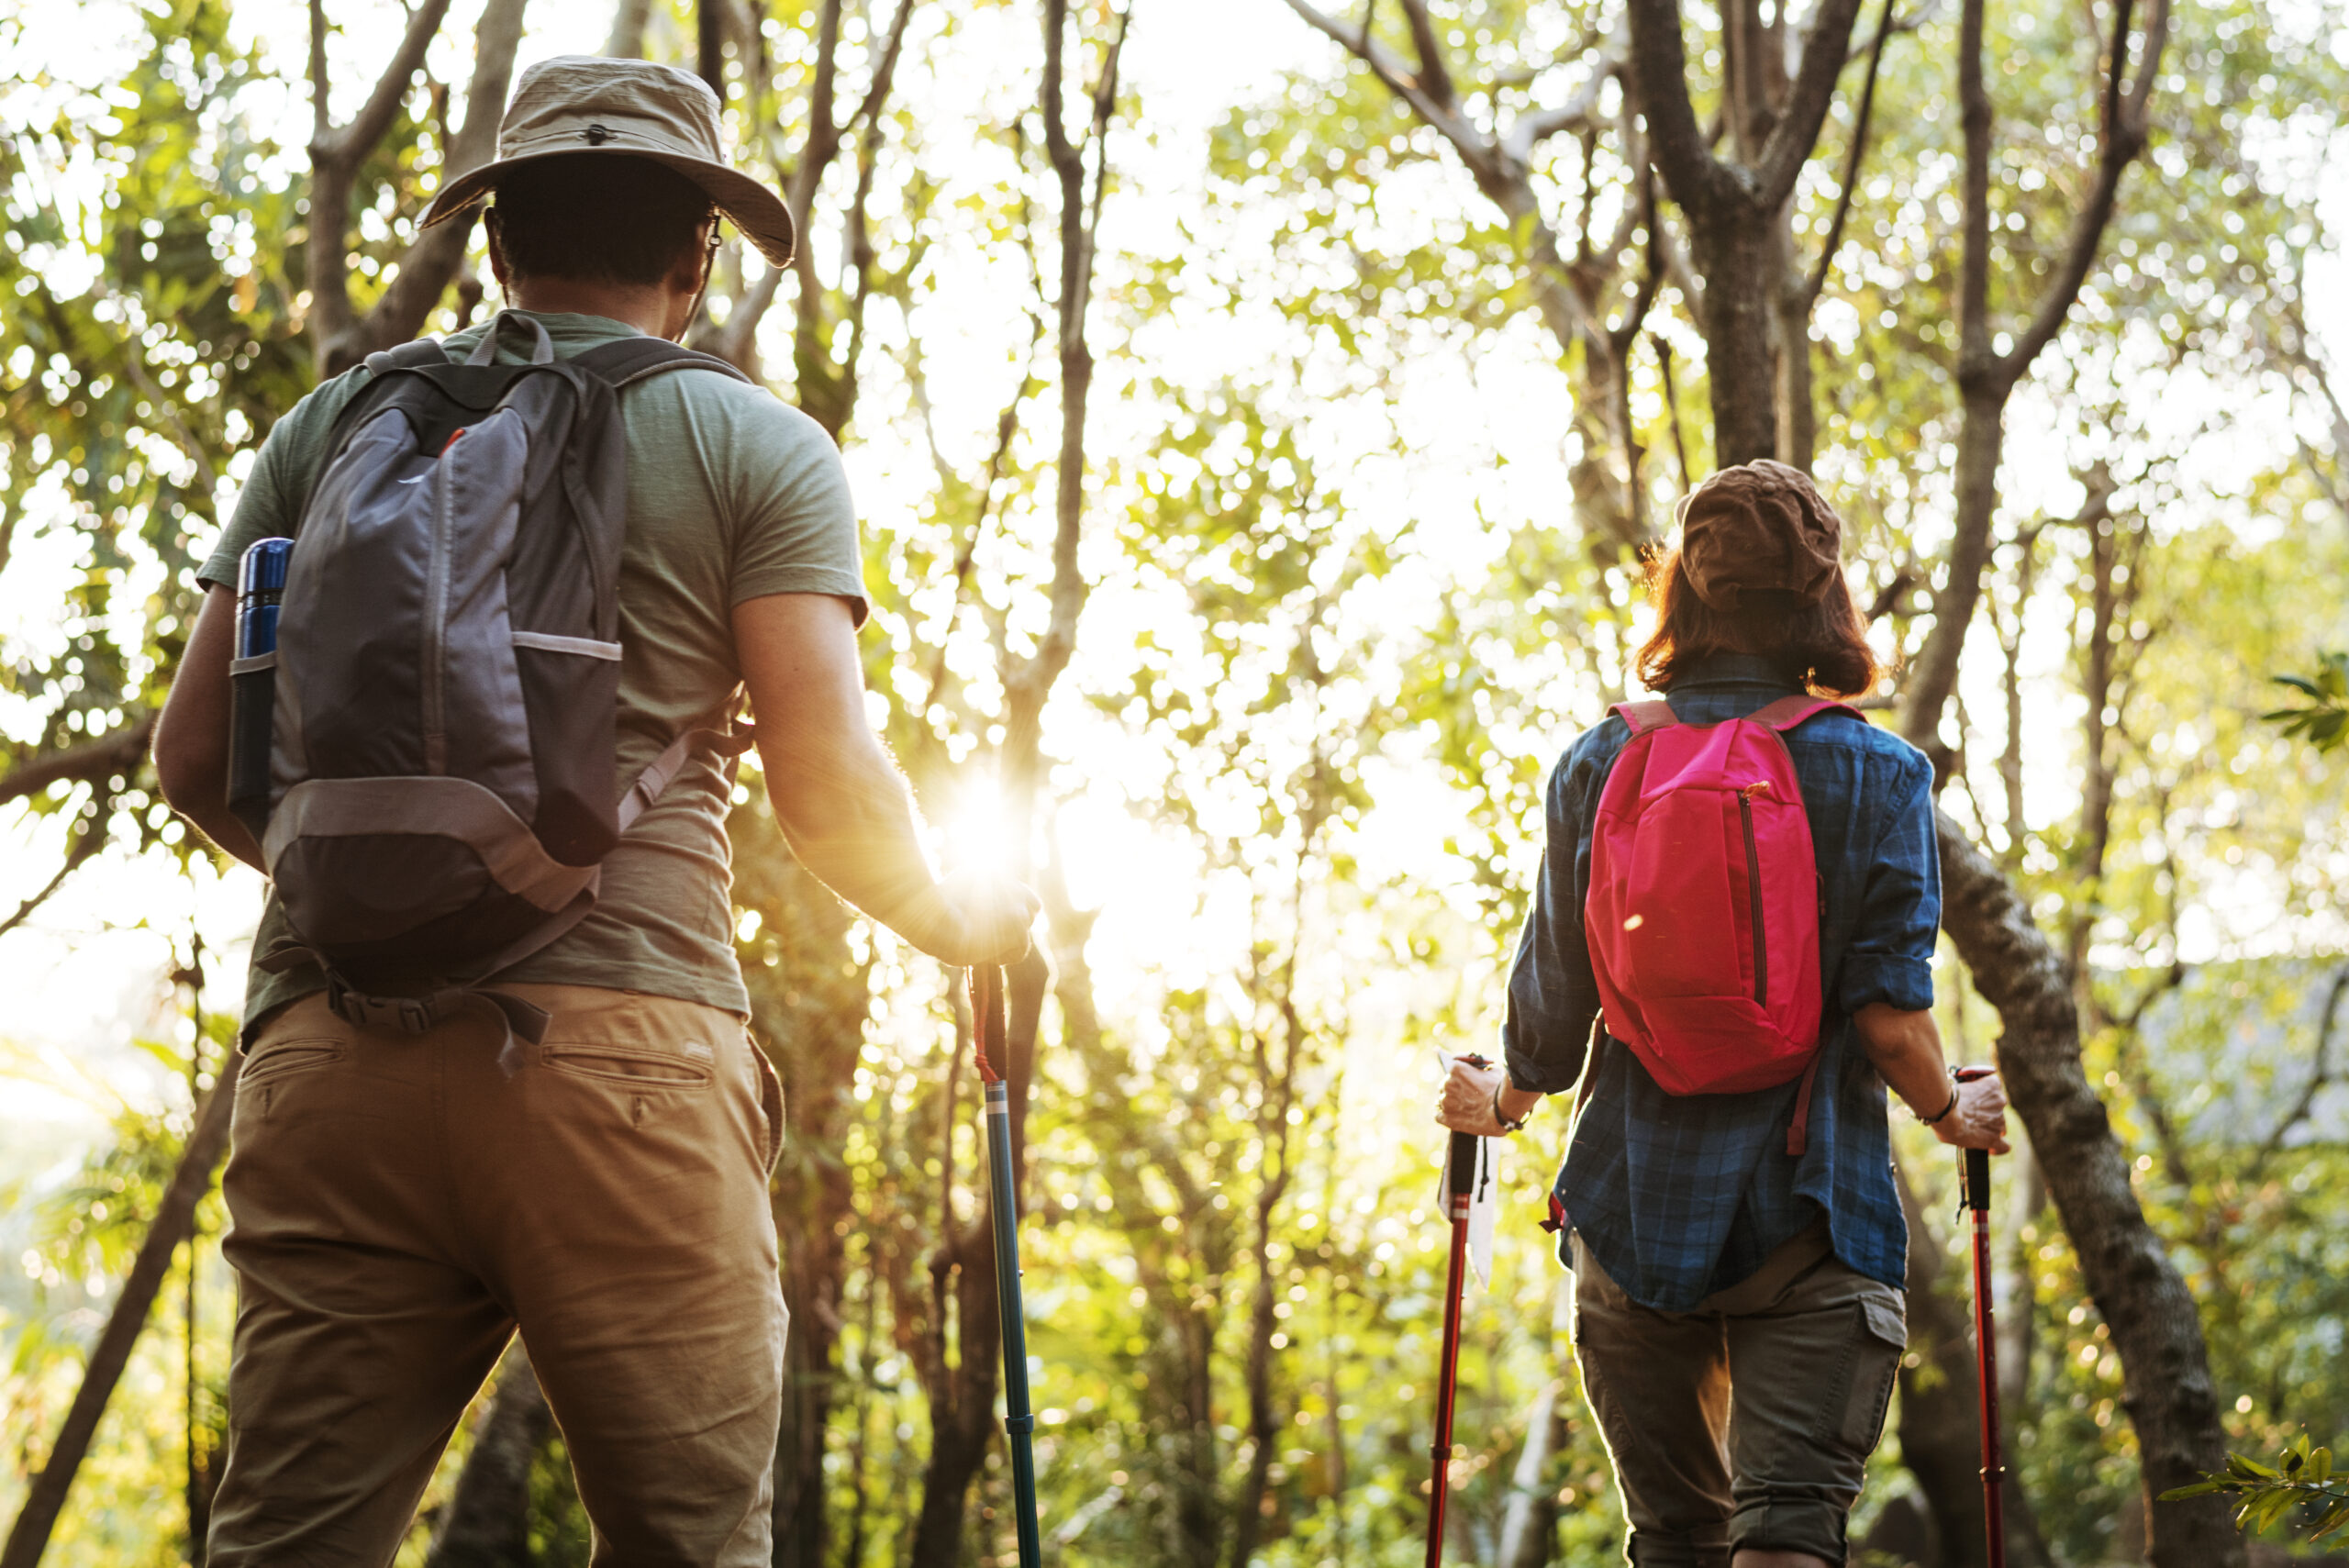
2193	1489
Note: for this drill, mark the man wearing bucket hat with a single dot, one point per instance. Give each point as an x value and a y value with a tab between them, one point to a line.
1738	1247
401	1202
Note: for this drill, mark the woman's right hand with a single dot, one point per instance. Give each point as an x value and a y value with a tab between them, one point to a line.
1979	1119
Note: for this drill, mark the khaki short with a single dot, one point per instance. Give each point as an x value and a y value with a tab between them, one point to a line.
1747	1422
398	1205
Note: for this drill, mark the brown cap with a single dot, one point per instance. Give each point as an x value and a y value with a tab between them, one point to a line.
1760	525
633	108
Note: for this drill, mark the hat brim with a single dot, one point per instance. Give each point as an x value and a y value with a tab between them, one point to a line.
749	206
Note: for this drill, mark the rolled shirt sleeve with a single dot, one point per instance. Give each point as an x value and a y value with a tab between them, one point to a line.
1552	993
1890	956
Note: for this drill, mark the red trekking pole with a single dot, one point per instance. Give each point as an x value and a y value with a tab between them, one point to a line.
1460	1183
1974	1170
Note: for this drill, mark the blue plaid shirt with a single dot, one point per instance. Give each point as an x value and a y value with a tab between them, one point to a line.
1681	1195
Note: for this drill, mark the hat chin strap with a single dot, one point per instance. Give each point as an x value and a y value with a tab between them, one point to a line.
709	265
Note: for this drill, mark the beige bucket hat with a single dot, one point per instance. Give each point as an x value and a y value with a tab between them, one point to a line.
586	102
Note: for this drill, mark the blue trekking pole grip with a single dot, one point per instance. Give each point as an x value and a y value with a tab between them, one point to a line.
252	679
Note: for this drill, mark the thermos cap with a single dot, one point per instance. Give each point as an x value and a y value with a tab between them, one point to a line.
263	567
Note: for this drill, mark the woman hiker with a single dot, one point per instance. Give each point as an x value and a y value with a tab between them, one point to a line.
1709	1260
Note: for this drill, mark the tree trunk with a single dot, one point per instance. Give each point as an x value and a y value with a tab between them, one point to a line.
488	1523
1530	1522
2167	1386
2018	1313
174	1219
809	998
961	1411
962	1397
1934	676
630	18
1797	403
1739	256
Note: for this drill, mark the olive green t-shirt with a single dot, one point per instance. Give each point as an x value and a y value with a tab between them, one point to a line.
733	495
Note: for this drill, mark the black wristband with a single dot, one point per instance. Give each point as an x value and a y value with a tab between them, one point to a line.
1941	1115
1506	1124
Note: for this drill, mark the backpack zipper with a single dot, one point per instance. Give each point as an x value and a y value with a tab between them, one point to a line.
1753	890
436	620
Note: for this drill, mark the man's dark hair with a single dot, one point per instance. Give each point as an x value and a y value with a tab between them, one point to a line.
1822	647
597	217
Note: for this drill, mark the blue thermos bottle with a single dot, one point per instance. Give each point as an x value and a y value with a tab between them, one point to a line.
252	679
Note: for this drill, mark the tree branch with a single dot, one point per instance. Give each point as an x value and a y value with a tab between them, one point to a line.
2320	1073
322	122
175	1219
118	751
1534	127
336	154
353	142
1660	68
1434	79
1797	130
2124	136
431	260
885	75
85	844
1472	147
1007	426
1817	280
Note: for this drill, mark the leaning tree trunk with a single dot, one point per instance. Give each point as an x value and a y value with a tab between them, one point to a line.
488	1523
175	1220
2166	1368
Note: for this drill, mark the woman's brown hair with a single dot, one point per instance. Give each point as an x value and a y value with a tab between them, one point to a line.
1822	647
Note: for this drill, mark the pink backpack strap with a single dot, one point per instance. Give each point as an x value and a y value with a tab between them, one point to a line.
1643	716
1788	712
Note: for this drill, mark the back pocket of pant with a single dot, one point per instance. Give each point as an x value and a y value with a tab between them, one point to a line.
274	1058
635	1064
1875	1365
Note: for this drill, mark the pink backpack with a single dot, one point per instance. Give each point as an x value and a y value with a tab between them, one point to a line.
1703	911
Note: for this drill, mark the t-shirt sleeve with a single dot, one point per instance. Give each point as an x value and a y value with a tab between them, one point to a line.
1891	958
271	502
795	525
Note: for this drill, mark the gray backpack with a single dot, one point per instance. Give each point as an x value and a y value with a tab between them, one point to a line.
443	780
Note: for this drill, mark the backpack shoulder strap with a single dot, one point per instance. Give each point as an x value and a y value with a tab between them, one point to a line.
1643	716
633	359
421	354
1788	712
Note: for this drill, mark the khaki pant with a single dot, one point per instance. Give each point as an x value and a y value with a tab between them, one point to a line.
1747	1422
398	1205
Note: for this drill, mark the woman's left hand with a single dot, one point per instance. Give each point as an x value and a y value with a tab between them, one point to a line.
1466	1102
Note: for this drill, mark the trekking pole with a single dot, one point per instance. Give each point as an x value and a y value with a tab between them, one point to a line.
988	1027
1460	1182
1974	1170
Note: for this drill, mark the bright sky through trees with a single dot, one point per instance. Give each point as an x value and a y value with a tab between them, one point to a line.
1482	453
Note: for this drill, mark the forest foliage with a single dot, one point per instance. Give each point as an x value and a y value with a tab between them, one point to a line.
1252	513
